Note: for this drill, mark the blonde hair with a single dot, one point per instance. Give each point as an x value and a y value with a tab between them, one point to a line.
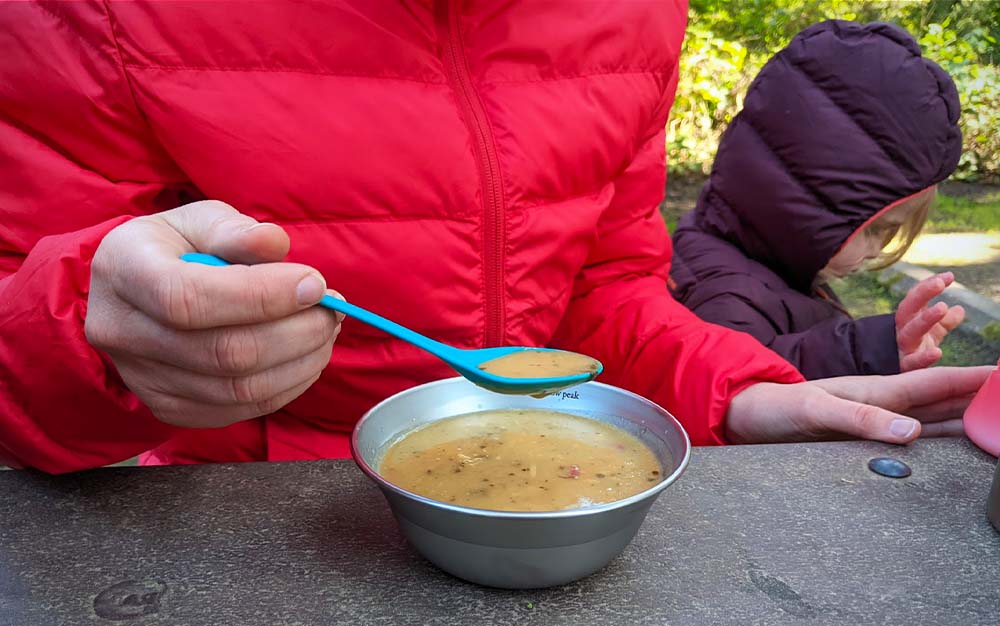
897	238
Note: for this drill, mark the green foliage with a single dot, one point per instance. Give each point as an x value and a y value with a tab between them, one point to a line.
979	90
728	42
713	78
992	332
964	214
960	349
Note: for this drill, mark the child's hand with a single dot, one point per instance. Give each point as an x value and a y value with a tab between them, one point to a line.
919	328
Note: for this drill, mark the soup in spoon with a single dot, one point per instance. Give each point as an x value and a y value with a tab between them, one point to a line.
541	364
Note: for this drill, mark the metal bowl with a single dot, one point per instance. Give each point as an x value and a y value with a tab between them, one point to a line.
509	549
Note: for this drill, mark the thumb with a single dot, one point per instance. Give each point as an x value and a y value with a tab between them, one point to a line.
863	421
217	228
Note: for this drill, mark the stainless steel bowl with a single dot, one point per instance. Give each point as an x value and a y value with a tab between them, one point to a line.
518	550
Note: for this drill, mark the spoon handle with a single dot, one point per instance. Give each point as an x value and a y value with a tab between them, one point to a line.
353	310
389	326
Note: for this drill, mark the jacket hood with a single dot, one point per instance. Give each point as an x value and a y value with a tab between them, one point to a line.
846	120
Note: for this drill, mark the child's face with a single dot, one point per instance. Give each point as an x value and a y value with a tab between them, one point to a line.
866	244
861	247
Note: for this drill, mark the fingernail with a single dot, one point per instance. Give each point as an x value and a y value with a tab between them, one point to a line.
902	428
310	290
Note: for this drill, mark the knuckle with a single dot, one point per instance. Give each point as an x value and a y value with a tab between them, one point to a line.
110	269
170	412
265	299
112	329
258	292
167	408
326	355
322	324
274	403
236	352
133	380
96	331
806	420
117	238
865	417
176	300
261	302
268	405
224	210
101	263
253	389
310	330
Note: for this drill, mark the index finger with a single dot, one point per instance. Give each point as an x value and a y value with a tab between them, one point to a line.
937	384
190	296
915	389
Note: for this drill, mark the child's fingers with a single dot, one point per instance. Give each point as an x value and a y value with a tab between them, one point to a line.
951	321
920	360
919	295
911	335
955	316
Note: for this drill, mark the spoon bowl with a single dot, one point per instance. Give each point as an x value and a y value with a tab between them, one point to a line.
467	362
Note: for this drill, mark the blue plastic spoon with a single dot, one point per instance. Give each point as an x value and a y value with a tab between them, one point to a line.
468	363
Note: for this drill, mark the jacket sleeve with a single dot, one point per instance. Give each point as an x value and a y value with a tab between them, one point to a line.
75	161
621	313
839	346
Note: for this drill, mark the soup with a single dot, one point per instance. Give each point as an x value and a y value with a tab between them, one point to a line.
521	460
541	364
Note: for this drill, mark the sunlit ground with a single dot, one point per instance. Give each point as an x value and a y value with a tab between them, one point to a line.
955	249
973	257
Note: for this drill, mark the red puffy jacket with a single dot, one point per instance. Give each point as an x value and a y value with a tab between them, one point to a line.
484	175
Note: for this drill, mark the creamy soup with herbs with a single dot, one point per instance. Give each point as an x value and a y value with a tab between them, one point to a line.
541	364
521	460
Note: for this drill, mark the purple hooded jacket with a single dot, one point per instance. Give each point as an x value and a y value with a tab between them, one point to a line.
845	121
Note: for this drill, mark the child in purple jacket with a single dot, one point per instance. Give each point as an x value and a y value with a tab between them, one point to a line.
833	161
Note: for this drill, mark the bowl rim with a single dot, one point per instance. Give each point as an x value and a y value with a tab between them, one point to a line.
521	515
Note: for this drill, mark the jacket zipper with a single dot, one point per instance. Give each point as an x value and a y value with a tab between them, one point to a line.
489	170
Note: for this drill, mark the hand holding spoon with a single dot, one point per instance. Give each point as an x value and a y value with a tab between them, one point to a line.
512	369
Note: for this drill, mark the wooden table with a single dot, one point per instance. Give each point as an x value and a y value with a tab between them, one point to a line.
774	535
